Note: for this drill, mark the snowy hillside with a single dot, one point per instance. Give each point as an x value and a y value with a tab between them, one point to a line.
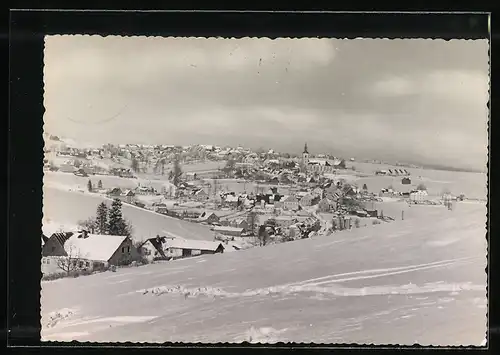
412	281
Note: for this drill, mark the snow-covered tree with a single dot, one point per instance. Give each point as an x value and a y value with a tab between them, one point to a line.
102	219
176	172
116	223
99	184
89	186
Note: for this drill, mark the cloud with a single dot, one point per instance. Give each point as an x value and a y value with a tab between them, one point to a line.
393	86
400	98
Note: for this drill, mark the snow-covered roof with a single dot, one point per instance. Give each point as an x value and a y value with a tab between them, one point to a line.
317	161
227	229
192	244
231	198
94	247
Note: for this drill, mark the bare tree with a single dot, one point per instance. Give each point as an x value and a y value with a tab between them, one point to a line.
70	262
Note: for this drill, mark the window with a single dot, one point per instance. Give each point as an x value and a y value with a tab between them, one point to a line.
47	261
80	264
53	248
128	249
123	250
87	264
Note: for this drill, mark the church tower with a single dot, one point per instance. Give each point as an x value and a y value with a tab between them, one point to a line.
305	157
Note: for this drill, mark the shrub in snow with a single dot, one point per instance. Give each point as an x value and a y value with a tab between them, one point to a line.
376	222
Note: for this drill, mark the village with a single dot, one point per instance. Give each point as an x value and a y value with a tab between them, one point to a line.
246	199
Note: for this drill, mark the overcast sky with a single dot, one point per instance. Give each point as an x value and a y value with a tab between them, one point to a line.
412	100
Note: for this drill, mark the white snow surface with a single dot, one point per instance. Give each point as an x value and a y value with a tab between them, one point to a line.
392	283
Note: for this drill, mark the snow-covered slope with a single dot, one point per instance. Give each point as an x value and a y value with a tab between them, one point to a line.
420	280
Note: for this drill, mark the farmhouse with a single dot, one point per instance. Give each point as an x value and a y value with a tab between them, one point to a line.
166	248
88	251
184	248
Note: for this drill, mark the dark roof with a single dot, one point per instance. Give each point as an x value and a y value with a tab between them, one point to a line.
62	237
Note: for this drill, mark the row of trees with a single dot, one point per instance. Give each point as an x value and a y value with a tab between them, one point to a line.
90	186
108	220
174	175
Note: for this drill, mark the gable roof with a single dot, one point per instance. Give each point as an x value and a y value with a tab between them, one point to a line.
94	247
62	237
193	244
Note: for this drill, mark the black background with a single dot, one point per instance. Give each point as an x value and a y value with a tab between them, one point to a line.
25	123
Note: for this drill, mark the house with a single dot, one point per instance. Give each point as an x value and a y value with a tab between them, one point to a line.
209	217
327	205
166	248
307	200
89	251
406	181
127	196
291	203
240	223
332	192
418	196
230	231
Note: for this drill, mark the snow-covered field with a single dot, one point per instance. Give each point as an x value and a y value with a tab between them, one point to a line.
420	280
473	185
69	207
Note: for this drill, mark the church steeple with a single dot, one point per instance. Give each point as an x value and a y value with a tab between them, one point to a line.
305	158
